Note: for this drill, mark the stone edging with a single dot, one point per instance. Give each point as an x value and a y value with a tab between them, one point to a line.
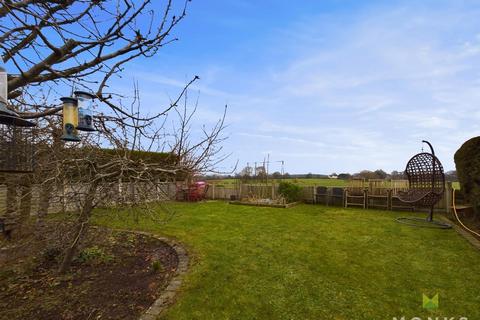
168	294
470	238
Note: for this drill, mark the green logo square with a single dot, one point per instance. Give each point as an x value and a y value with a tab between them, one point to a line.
430	303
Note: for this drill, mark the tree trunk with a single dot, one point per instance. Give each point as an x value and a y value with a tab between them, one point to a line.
44	203
26	200
11	196
80	228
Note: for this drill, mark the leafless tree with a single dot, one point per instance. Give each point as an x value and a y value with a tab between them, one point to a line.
96	174
52	45
48	43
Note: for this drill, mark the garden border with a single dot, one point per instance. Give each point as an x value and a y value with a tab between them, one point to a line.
167	296
267	205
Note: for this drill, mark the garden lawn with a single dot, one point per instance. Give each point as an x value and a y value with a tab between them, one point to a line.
313	262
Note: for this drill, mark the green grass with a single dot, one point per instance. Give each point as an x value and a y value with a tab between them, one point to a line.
300	182
314	262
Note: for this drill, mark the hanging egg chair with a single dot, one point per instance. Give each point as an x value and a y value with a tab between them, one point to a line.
426	181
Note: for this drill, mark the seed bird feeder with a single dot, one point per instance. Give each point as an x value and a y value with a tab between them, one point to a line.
85	110
70	119
16	135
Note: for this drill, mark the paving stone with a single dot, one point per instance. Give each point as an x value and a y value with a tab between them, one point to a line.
167	297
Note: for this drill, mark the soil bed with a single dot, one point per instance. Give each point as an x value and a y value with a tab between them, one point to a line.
116	275
264	204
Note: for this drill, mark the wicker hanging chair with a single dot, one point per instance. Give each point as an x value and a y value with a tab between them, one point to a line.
426	181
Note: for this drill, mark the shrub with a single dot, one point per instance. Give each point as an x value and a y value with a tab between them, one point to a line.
467	161
51	254
94	255
157	266
290	191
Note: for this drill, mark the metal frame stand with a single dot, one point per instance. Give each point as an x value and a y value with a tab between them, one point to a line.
428	222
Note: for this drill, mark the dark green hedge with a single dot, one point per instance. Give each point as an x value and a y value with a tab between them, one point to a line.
147	156
290	191
467	161
45	155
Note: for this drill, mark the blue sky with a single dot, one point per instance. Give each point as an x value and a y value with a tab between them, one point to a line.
327	86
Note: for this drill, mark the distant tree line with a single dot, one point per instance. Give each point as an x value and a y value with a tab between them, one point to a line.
394	175
364	174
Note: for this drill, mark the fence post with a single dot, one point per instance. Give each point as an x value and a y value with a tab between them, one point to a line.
329	196
448	197
314	194
365	198
389	199
3	199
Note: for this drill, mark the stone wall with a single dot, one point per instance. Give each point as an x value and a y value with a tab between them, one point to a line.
65	197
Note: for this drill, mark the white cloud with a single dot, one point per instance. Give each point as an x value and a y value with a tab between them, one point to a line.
358	93
389	75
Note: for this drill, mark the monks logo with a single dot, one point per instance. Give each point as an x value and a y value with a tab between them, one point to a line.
430	303
430	318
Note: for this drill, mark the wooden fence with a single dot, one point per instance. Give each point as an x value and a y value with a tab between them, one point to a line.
380	194
377	195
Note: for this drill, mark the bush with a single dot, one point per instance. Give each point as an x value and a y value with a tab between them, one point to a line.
51	254
467	161
94	255
290	191
157	266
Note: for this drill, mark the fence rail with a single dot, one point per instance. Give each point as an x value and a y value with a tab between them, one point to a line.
377	194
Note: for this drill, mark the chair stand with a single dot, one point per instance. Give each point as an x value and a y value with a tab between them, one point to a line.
428	222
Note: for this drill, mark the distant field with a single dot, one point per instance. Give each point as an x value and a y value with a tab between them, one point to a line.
301	182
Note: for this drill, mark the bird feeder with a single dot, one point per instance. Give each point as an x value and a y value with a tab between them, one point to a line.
85	110
70	119
16	135
7	116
